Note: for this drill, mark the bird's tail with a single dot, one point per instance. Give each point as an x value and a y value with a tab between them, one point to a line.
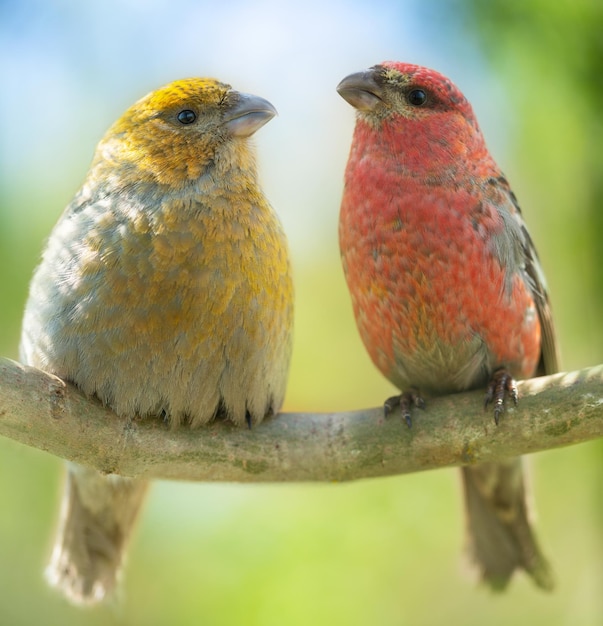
98	513
501	538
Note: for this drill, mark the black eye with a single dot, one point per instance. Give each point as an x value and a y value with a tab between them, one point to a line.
417	97
187	116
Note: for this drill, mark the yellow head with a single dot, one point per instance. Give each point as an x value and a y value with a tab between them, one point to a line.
170	135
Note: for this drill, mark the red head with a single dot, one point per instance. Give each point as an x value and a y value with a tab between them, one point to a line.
419	113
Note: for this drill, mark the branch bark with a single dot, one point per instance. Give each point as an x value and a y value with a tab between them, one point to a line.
40	410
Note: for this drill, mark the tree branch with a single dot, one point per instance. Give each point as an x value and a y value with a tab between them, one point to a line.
41	411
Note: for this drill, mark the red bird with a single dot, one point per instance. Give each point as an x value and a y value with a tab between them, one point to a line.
445	282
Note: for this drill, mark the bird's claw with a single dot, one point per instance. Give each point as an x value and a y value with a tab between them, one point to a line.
406	401
501	384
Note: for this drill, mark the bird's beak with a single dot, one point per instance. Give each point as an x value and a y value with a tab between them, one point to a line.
247	114
361	90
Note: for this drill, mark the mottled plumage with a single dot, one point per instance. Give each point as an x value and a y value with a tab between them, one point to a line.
444	279
164	290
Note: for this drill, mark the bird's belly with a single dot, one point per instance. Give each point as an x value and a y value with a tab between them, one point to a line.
444	324
183	339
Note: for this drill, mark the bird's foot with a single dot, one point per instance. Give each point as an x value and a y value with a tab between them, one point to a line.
501	384
406	401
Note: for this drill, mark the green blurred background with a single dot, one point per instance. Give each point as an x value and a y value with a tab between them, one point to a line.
385	551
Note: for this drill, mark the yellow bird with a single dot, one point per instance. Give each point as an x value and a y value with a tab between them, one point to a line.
164	290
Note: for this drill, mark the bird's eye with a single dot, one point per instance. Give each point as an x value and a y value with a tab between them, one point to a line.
187	116
417	97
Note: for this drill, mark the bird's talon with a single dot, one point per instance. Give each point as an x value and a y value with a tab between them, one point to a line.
501	384
390	404
406	401
513	392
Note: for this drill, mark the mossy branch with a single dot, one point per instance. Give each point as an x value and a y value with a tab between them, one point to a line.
41	411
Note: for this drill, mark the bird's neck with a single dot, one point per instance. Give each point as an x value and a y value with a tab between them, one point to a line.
228	171
438	147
